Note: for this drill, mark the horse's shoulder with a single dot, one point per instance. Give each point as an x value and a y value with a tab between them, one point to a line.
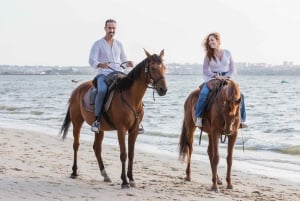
88	83
84	86
193	95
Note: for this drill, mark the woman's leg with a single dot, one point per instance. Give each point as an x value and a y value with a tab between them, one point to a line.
243	109
201	100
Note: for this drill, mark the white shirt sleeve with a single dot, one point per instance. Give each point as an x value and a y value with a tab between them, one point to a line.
93	59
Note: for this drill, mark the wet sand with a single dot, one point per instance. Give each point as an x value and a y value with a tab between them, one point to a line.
35	166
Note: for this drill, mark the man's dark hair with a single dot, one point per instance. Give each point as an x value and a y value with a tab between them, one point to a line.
110	21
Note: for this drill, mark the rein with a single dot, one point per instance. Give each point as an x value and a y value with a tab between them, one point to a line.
218	90
152	81
153	86
222	140
136	114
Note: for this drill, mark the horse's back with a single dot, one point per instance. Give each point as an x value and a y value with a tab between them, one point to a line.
189	107
80	90
191	100
77	112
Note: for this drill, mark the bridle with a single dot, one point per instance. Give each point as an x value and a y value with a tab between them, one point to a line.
150	77
223	107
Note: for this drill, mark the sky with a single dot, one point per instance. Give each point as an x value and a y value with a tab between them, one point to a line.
61	32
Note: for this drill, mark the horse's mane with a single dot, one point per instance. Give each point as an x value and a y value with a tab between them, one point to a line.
232	91
126	82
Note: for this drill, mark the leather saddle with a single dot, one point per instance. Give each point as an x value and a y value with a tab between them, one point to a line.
90	96
214	86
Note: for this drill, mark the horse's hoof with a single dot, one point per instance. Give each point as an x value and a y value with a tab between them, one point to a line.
107	179
188	179
132	184
73	176
125	186
215	189
229	186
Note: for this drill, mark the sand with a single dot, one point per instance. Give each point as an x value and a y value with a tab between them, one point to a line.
36	166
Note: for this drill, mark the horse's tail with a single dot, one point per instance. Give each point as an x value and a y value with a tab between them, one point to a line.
183	143
65	126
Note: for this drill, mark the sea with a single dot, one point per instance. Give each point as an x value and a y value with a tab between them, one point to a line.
270	146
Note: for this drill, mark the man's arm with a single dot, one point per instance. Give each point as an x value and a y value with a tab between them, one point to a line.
93	59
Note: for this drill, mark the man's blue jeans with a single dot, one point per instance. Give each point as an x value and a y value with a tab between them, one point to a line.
101	92
203	97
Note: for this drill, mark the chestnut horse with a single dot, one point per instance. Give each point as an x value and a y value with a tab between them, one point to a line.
221	117
125	113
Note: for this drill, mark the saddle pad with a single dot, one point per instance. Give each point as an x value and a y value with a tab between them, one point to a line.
90	106
86	101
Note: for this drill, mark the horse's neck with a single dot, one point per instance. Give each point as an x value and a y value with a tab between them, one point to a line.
138	90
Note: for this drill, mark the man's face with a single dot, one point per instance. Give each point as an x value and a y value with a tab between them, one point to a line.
110	29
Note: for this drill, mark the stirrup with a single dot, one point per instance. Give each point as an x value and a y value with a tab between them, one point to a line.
243	125
95	127
141	129
198	122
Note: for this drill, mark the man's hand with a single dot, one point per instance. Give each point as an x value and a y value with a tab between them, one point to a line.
129	64
103	65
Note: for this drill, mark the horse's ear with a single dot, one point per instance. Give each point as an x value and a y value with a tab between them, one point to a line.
162	53
147	53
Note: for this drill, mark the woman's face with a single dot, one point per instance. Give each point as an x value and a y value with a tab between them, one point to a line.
212	42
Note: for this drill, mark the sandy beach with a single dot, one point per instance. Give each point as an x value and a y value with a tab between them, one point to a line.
35	166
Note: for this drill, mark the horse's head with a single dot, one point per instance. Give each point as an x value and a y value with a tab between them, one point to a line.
155	72
231	104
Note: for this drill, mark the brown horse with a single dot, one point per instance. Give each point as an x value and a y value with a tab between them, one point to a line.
222	117
126	112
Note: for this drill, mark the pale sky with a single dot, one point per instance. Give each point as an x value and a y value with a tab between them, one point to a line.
61	32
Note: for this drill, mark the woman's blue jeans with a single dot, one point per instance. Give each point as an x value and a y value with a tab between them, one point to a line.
203	97
101	92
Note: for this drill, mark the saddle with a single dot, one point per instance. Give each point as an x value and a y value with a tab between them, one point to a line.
90	96
214	86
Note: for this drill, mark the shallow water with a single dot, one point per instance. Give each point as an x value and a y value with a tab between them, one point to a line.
271	143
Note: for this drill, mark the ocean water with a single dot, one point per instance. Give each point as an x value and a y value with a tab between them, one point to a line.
271	143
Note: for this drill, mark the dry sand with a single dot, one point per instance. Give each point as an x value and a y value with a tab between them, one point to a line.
35	166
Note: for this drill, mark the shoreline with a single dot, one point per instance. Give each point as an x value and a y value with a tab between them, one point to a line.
37	166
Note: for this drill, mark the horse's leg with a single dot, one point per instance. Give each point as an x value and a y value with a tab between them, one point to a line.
231	141
210	154
131	144
214	159
98	149
190	129
209	150
123	157
76	134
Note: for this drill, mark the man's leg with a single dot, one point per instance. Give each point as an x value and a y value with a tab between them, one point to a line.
101	92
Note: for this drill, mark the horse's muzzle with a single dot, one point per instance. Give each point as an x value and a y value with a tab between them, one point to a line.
161	91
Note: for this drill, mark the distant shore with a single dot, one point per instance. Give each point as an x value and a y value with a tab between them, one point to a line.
35	166
172	68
